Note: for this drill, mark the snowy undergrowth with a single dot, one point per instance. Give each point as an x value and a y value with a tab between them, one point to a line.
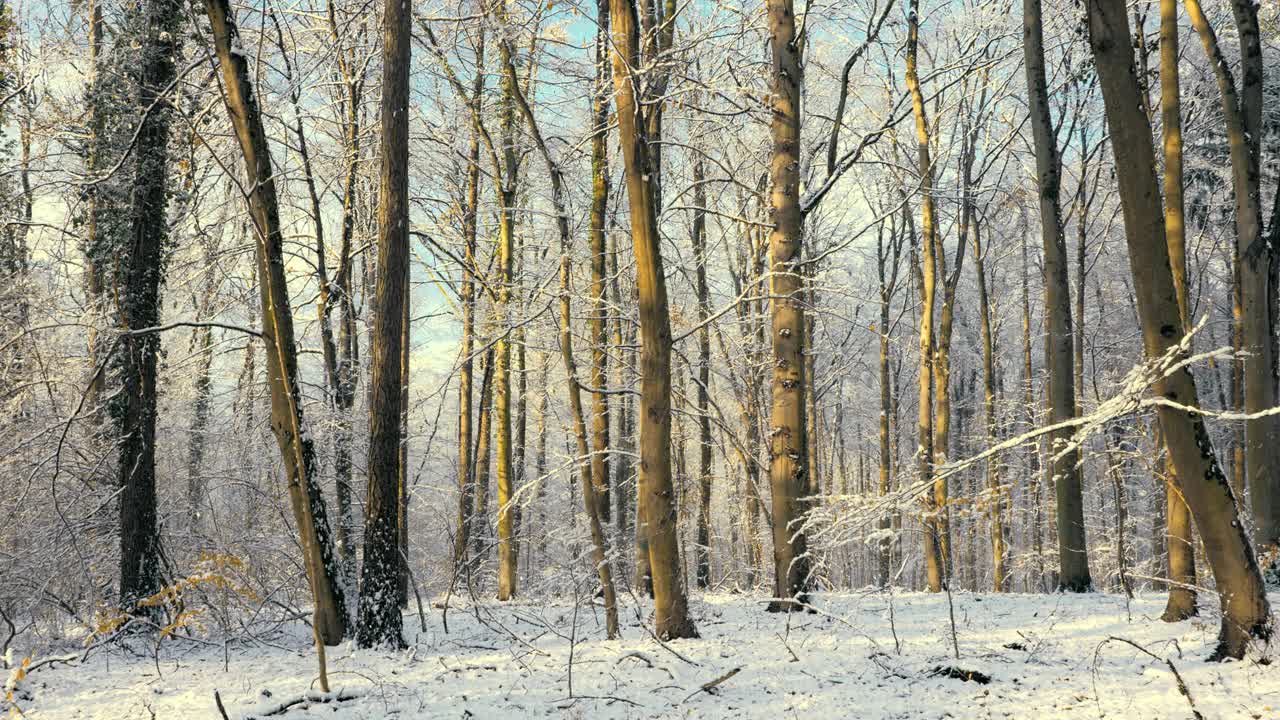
1047	657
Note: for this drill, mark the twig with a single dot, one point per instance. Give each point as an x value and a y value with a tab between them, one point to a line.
325	699
611	698
1182	684
218	700
637	655
794	657
708	687
951	613
13	632
657	639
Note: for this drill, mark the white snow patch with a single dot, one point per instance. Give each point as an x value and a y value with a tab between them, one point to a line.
1047	655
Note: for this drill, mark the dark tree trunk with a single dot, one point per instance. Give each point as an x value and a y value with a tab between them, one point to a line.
1073	558
142	267
379	611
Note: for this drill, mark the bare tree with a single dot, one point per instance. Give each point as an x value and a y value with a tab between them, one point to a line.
296	448
1073	557
656	492
1208	494
379	611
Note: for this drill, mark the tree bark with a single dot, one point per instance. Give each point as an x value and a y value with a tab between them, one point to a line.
506	191
287	421
1073	558
1182	561
142	270
480	537
671	607
1241	110
704	372
599	318
94	247
379	616
997	507
467	300
935	567
1213	505
888	277
788	441
593	485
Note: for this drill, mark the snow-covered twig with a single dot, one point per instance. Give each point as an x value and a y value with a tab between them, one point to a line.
841	518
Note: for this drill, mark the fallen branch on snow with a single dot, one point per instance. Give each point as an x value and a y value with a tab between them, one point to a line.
307	700
1182	684
710	687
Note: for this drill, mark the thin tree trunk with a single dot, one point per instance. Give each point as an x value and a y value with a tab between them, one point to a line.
1033	451
480	537
196	482
934	563
704	372
622	465
590	494
599	318
997	507
1182	560
1073	558
466	373
94	248
506	192
346	373
287	420
593	486
402	453
887	264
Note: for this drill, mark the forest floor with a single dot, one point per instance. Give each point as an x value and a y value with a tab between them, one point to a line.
863	655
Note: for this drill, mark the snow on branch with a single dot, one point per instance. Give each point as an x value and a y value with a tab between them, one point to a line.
844	519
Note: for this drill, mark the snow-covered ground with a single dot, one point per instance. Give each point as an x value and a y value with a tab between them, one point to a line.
862	656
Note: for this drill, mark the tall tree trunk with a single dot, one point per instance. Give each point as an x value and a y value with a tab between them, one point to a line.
540	466
888	285
466	373
95	251
348	334
402	454
1213	505
671	607
593	486
506	192
480	538
1028	404
788	442
997	507
704	371
380	621
1182	560
287	421
335	353
590	493
1241	111
599	318
935	567
1073	558
622	339
139	308
203	341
